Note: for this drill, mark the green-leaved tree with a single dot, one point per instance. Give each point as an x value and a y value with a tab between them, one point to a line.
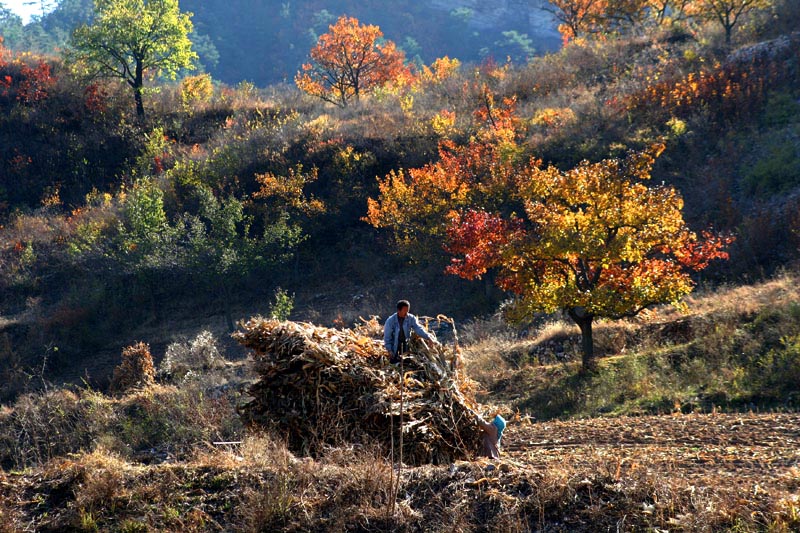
130	38
223	246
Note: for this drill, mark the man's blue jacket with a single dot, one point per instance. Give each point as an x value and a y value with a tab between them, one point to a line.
391	331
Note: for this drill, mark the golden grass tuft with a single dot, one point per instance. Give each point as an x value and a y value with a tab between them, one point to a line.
103	480
741	300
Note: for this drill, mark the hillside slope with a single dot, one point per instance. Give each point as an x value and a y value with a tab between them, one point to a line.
82	276
731	348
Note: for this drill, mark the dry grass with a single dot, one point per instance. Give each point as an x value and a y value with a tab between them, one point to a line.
743	300
579	482
8	512
102	484
484	362
153	423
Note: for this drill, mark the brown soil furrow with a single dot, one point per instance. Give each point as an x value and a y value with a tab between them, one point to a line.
749	452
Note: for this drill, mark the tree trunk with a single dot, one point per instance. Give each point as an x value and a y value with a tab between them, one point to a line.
584	321
138	84
488	284
728	24
227	294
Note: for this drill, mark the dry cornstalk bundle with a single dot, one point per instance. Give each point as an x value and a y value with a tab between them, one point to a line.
135	370
369	328
321	387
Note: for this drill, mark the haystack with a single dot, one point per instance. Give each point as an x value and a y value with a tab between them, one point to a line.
324	387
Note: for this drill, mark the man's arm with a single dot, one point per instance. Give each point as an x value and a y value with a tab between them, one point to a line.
420	330
388	336
488	427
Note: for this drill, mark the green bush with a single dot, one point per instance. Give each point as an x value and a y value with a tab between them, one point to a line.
777	172
282	306
782	109
775	375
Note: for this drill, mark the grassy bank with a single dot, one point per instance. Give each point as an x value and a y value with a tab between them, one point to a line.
734	348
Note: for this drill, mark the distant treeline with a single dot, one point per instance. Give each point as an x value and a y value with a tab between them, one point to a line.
265	42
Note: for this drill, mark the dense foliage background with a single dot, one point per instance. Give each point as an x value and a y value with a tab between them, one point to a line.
265	42
115	228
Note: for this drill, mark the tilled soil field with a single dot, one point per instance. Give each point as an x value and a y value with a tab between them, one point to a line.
755	449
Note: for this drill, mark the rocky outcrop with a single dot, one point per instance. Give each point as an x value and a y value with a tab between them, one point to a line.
525	16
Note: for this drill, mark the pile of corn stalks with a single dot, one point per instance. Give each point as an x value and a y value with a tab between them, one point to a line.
322	387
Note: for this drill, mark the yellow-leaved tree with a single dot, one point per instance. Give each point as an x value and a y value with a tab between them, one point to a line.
594	242
129	39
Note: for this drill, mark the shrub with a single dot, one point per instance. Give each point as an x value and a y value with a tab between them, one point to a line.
51	424
181	358
782	109
136	369
36	83
777	172
196	90
283	305
775	374
102	485
553	118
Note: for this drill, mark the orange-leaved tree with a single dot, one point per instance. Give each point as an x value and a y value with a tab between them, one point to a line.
577	17
594	241
581	18
3	52
415	203
348	60
5	79
668	12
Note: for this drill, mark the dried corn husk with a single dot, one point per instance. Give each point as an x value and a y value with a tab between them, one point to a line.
323	387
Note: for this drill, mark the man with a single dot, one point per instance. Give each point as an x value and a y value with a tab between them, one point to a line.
397	331
492	434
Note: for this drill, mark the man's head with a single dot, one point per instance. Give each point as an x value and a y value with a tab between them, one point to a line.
402	308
